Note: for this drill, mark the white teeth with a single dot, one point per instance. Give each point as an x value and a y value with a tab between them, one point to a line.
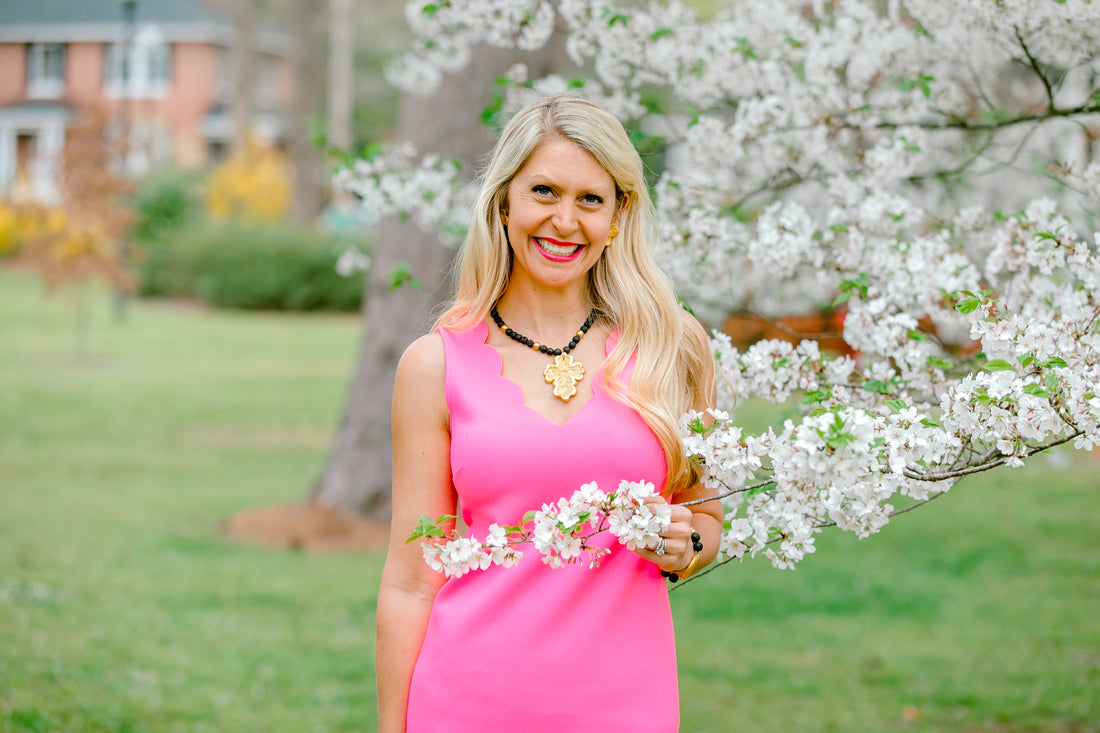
557	249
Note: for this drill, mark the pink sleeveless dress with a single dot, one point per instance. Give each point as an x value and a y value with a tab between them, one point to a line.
532	648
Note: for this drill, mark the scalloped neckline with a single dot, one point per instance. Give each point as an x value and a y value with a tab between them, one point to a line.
518	390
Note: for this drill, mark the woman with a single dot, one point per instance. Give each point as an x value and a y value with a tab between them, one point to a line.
558	253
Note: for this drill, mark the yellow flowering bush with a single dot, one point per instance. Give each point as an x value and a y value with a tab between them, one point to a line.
252	184
20	223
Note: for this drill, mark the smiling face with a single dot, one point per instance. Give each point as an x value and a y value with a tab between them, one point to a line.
560	207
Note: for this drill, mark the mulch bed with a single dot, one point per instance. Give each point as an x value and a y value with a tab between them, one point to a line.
310	527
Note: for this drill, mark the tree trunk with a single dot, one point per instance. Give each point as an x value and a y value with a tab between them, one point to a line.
357	477
341	64
306	160
244	73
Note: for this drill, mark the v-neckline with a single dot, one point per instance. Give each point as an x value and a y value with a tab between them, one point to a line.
522	398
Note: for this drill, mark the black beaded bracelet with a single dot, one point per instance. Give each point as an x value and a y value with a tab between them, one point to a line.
688	570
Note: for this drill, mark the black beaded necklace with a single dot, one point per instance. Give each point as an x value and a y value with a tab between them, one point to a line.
564	373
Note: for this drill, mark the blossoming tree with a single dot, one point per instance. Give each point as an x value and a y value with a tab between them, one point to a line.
927	166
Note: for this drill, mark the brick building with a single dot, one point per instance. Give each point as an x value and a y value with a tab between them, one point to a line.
161	68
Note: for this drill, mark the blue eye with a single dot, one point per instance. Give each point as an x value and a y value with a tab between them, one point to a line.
541	190
592	198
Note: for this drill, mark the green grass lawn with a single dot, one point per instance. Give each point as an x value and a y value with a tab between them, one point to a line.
124	609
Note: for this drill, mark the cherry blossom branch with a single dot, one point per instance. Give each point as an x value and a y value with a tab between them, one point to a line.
947	475
779	538
727	492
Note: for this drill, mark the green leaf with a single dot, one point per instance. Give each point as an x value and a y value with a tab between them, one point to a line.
877	385
372	150
1036	390
930	423
745	48
896	405
760	489
922	82
660	33
1025	361
967	306
838	441
401	275
426	528
698	427
998	365
1057	362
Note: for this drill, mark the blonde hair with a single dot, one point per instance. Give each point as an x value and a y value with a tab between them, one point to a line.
673	366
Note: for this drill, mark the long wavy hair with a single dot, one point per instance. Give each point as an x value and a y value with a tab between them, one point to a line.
626	287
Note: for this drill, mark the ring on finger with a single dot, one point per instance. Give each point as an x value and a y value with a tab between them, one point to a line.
660	547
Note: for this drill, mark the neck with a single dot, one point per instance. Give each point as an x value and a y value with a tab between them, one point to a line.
548	317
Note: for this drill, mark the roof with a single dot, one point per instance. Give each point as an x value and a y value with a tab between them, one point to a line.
104	20
66	12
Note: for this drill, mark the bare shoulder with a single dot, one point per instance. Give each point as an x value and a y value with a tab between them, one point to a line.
418	385
423	358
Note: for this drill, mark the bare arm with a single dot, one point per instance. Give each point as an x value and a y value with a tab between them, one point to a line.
705	518
421	485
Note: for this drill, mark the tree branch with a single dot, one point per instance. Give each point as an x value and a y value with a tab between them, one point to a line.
1035	67
728	492
978	468
824	525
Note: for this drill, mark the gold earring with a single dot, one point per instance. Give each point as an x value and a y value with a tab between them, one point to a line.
612	233
504	218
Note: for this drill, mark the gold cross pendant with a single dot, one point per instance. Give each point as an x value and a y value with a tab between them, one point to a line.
564	374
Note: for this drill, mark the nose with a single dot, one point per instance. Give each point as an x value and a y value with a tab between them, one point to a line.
564	218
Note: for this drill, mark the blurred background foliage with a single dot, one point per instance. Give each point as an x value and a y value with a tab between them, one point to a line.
226	240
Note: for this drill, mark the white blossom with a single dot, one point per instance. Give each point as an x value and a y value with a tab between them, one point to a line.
918	167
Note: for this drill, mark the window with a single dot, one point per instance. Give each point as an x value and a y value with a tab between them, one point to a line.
45	70
139	69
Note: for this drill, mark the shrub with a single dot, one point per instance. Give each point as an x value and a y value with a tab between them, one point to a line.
163	203
252	184
252	266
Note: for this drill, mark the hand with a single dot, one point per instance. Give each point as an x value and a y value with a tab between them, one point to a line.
677	538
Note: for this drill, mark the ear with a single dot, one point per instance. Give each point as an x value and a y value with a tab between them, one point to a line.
624	202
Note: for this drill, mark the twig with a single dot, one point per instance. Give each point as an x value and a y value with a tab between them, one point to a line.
1035	66
824	525
727	492
985	466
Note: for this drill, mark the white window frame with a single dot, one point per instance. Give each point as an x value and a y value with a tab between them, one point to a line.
42	81
149	62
